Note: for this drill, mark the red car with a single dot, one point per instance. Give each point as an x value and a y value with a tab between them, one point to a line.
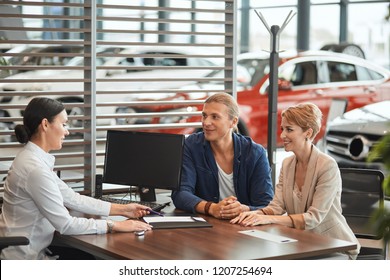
316	77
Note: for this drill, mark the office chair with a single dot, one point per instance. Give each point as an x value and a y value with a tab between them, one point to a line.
362	194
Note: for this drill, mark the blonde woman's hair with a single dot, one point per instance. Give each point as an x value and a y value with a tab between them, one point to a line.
228	101
306	116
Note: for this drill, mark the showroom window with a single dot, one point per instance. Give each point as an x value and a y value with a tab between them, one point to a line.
125	65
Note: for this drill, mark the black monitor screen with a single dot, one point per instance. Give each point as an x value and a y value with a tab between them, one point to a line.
150	160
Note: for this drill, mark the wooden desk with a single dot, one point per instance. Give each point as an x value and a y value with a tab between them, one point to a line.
222	241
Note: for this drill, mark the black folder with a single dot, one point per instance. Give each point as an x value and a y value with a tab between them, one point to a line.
195	222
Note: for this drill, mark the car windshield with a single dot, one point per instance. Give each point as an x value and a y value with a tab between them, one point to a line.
79	61
50	59
249	72
243	76
257	68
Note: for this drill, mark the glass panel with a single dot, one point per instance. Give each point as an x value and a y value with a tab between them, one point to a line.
369	29
129	91
267	3
260	37
324	25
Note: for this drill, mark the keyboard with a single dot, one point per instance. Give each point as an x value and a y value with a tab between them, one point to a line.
152	205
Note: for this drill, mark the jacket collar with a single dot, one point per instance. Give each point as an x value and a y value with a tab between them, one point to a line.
211	160
311	168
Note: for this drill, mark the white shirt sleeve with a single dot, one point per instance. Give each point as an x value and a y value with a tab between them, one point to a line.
82	203
52	195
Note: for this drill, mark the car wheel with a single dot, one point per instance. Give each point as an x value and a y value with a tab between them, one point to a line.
346	48
350	49
329	47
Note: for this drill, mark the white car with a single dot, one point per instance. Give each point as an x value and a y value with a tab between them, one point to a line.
110	77
350	137
33	55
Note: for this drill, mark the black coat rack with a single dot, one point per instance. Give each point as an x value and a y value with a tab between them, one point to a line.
274	31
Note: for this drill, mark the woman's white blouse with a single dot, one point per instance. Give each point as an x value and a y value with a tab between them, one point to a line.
36	204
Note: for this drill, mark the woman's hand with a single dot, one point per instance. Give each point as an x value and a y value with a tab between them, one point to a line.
134	210
251	218
130	226
131	210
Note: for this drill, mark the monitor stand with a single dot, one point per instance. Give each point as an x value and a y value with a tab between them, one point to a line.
147	194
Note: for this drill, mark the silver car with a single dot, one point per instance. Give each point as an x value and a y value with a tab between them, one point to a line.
349	138
111	77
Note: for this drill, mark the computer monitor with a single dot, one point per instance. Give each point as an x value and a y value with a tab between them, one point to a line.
148	161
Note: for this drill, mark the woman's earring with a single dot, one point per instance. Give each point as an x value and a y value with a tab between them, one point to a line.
306	139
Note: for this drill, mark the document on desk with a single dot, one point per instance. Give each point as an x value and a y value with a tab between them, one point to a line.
176	221
268	236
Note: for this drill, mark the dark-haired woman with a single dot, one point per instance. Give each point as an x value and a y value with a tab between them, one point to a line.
36	201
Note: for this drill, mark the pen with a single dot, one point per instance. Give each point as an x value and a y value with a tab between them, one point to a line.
154	212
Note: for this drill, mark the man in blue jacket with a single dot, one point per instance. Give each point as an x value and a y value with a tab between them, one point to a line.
223	173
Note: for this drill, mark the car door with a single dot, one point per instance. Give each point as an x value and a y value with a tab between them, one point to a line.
354	83
322	80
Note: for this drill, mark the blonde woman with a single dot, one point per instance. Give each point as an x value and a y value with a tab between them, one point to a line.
309	187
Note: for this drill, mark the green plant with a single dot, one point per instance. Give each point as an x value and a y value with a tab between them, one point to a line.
381	152
381	217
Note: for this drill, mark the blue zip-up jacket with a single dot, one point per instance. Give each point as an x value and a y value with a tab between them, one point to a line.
199	178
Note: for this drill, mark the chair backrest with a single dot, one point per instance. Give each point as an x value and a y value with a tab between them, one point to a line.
362	193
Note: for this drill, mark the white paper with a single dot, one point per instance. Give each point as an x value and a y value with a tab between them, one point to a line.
168	219
199	219
268	236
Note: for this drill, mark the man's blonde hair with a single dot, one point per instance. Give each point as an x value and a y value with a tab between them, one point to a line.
228	101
